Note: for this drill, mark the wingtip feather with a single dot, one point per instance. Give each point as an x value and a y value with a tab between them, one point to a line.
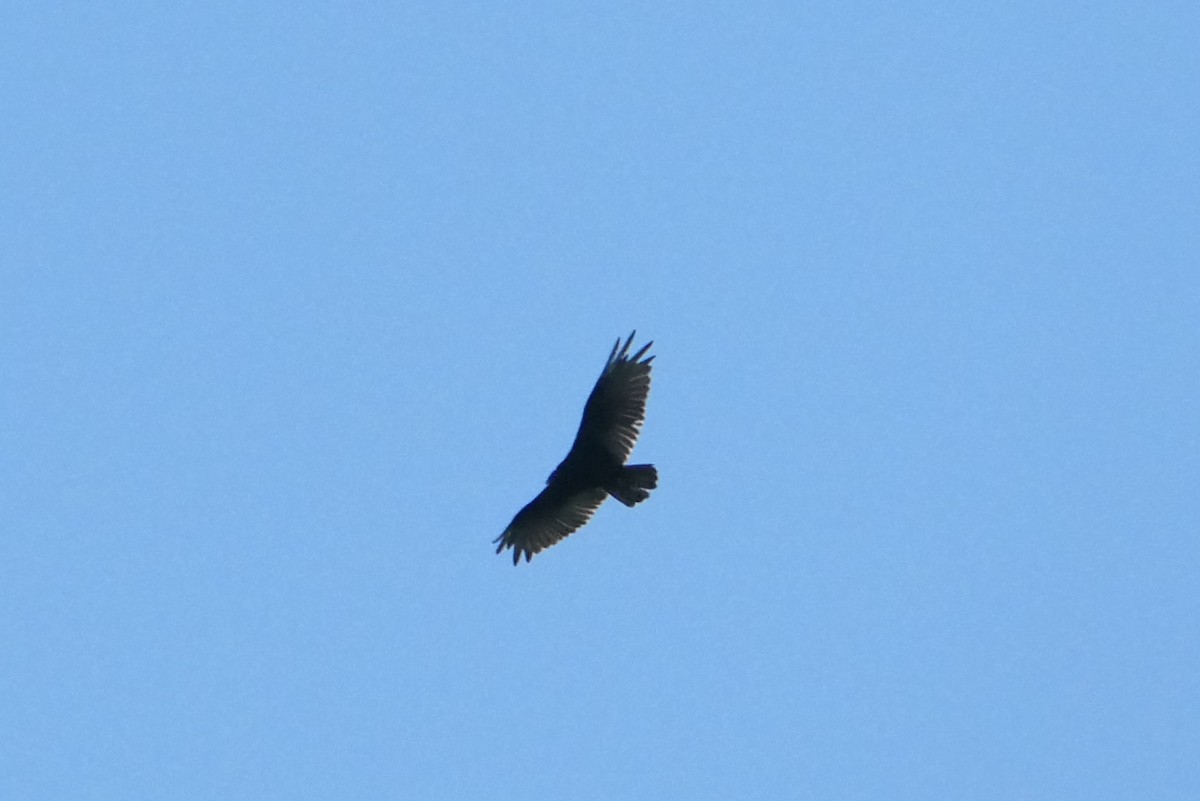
642	352
628	342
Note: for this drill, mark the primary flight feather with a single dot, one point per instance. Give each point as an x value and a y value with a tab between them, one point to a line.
595	466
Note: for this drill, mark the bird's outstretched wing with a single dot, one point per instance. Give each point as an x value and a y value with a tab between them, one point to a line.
548	518
615	410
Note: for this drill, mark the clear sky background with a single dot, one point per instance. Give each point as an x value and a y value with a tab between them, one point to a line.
299	304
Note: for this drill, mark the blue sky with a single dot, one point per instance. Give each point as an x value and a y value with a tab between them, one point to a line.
299	304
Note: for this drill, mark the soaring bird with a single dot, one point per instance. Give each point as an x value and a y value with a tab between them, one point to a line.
595	466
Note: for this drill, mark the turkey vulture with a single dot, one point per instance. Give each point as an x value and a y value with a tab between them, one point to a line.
595	466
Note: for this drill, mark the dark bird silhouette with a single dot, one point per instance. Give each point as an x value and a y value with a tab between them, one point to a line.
595	466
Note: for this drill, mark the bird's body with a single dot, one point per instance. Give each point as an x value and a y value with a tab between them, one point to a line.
595	466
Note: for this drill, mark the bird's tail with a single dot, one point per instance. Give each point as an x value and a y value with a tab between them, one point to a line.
634	483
